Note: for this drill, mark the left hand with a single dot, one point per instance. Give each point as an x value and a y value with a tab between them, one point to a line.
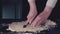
42	17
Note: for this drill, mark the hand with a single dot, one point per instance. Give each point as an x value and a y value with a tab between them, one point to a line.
31	16
42	17
33	12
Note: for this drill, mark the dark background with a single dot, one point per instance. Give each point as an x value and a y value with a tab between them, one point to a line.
11	10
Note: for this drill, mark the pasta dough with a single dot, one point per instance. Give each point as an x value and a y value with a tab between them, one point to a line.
18	26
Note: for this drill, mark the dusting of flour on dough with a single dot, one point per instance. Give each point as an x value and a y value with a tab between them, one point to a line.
18	26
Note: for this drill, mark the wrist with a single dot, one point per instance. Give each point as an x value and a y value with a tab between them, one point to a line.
48	9
31	0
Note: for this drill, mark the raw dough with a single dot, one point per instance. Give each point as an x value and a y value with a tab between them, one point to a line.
18	26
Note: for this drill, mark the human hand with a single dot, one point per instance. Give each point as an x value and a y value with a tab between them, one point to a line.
31	16
42	17
32	12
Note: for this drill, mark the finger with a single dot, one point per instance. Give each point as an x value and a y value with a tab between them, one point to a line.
41	22
32	19
28	15
35	21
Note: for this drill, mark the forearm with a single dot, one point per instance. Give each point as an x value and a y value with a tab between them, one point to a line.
49	6
47	11
32	5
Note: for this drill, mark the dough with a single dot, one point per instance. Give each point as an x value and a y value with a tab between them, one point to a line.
18	26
